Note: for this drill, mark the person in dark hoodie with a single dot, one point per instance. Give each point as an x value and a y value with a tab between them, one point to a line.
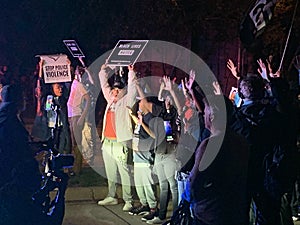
20	176
262	125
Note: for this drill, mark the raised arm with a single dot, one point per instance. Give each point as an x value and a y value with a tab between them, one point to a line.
232	68
131	89
169	87
87	100
262	70
86	70
141	93
139	120
188	84
103	77
271	72
161	88
38	90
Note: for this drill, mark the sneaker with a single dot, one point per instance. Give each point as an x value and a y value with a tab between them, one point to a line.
295	218
141	210
108	201
156	220
150	215
127	207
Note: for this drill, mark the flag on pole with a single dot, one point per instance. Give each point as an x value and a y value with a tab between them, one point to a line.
257	17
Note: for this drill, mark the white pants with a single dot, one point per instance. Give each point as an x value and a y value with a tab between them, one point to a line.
115	160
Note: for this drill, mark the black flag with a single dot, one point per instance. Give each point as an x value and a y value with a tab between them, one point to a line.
257	17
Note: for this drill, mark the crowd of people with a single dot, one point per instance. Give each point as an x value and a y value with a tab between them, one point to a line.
228	160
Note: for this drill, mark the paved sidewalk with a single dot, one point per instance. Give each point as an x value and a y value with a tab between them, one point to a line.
87	193
82	208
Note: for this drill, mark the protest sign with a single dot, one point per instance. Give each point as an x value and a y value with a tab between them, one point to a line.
56	68
73	47
126	52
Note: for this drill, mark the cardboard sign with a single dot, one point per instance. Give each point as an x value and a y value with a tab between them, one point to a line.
73	48
56	68
126	52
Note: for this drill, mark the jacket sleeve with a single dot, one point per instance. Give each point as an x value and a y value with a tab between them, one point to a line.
103	77
131	89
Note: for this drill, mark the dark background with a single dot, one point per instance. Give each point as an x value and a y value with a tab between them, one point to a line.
29	28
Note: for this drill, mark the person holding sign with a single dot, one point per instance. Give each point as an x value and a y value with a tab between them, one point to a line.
117	134
52	109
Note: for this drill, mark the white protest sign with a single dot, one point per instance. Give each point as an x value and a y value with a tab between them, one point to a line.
126	52
56	68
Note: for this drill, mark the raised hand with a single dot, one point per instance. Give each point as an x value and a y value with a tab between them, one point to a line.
232	68
217	88
130	67
168	83
190	81
262	70
104	66
140	117
273	75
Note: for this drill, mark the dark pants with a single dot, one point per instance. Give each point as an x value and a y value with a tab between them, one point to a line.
267	209
295	202
286	210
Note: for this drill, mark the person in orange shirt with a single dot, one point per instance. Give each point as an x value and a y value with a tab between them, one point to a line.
117	133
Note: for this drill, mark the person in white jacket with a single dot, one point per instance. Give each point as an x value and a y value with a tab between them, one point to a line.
78	106
117	134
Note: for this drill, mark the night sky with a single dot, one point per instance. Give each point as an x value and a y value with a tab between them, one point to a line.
39	27
29	28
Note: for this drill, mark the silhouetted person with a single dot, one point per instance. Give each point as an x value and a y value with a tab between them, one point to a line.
20	176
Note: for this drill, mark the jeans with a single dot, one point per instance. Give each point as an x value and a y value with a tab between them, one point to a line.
144	184
88	142
267	210
182	184
165	167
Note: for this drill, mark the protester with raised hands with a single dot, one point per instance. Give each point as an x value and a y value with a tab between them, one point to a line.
187	85
234	95
51	122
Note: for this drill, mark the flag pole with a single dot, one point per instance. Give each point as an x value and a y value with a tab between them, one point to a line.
288	37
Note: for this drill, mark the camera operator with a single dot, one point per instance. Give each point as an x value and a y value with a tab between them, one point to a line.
20	176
